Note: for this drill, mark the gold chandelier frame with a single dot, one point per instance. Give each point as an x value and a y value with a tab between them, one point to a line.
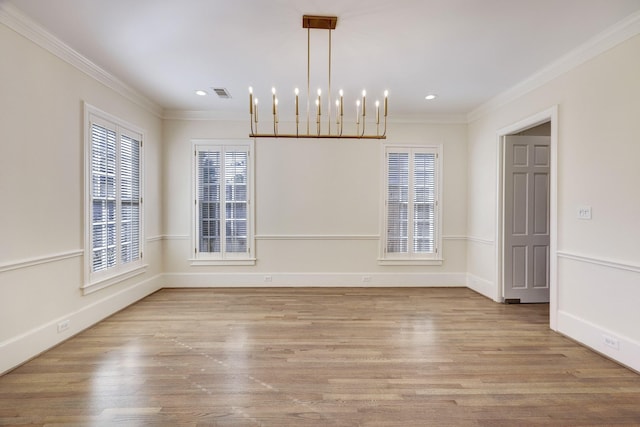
321	23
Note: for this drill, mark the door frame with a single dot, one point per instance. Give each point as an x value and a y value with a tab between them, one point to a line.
549	115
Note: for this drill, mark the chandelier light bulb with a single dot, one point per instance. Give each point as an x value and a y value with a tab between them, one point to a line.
364	93
297	91
319	92
250	89
341	92
273	90
386	93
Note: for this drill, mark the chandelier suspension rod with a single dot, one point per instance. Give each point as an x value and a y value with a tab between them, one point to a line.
308	75
329	97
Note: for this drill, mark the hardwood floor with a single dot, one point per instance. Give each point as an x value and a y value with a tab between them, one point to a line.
321	357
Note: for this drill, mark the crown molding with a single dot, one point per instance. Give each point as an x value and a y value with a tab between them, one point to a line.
618	33
13	18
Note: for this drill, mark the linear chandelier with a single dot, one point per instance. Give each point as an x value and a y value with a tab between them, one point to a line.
322	23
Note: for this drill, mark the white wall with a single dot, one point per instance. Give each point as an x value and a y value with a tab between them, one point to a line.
598	151
42	199
317	208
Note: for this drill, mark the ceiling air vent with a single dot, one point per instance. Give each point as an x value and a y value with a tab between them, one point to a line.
221	92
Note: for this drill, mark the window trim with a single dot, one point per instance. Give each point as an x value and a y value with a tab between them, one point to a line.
198	258
411	258
120	272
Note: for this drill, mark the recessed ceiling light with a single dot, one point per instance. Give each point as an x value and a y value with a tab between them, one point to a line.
201	92
430	97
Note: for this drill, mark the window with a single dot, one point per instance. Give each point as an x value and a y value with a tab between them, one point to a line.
411	209
113	248
223	223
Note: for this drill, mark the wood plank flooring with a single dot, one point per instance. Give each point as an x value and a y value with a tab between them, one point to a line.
321	357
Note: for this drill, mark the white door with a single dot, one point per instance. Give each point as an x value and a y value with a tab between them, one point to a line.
526	218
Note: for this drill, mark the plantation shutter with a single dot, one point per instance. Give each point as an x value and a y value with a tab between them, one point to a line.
208	200
424	200
411	201
236	201
222	199
397	202
116	218
129	198
103	197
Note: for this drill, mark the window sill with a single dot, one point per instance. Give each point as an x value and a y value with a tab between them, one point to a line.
222	262
410	261
104	282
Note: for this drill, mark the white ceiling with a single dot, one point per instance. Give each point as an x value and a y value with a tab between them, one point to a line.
466	51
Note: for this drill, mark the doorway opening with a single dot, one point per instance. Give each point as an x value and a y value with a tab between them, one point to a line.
526	229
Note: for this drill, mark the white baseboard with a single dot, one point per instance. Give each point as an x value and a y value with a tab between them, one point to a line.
593	336
28	345
215	280
482	286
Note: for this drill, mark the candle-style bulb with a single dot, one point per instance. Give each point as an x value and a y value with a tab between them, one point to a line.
341	92
250	89
273	90
364	103
297	91
386	104
255	102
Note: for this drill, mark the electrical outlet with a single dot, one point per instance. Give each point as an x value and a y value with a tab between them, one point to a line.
611	342
584	212
366	279
268	279
64	325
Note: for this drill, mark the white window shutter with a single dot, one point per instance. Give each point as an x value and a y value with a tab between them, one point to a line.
411	210
208	201
129	198
397	202
222	196
103	197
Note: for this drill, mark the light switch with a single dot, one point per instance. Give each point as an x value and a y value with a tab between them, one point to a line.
584	212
